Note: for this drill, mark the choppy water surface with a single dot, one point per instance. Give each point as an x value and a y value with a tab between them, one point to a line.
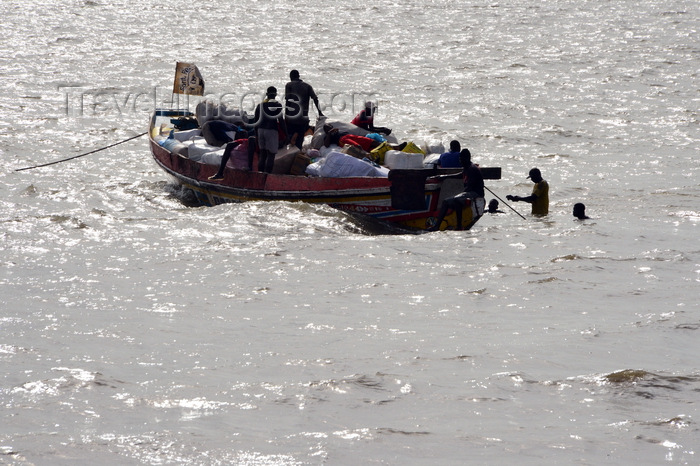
137	330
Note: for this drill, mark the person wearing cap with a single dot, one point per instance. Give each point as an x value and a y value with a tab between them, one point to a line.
365	119
297	94
268	121
540	194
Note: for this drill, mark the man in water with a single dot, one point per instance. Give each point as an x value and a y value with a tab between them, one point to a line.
493	207
473	188
297	94
269	120
580	211
540	194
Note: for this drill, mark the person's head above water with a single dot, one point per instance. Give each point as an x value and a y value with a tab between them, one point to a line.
580	211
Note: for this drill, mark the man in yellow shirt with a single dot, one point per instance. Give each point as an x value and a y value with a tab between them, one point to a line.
540	194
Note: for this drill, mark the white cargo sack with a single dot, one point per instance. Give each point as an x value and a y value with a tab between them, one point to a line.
397	159
199	147
183	136
339	165
213	158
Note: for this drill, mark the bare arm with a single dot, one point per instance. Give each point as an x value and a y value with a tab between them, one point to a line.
529	199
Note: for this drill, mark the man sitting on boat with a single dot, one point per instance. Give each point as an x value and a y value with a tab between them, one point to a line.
365	119
451	159
243	145
473	189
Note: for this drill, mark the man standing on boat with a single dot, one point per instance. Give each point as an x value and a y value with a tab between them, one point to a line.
269	120
297	94
540	194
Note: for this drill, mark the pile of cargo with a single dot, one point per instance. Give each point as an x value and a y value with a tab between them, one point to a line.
358	152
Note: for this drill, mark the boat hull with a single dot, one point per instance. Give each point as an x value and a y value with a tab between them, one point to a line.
384	199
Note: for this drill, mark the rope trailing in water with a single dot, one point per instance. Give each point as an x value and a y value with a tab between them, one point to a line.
505	203
82	155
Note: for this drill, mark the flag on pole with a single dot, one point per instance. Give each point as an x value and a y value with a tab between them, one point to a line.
188	80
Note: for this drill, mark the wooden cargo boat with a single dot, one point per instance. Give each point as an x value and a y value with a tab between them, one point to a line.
408	198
